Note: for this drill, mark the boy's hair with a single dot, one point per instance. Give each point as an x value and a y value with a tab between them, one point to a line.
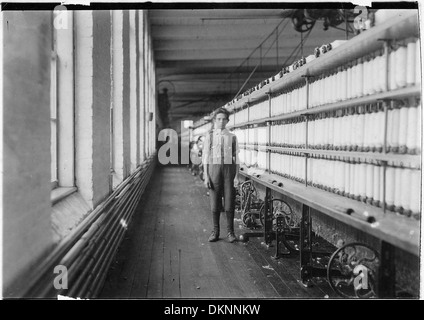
222	110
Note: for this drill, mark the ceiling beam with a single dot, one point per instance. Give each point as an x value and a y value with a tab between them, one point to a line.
284	41
209	76
201	54
216	13
219	64
177	32
210	21
165	73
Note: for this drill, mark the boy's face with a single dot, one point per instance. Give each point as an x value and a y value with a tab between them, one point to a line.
220	121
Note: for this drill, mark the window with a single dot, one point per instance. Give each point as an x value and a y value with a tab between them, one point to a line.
62	106
53	113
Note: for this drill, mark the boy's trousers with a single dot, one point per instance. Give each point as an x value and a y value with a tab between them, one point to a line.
222	185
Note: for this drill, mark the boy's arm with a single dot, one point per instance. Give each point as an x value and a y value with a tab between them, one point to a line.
237	161
205	160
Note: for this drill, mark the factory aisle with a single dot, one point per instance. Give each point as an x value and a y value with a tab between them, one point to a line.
165	253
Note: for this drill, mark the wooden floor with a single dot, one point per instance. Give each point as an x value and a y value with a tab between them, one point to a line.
165	253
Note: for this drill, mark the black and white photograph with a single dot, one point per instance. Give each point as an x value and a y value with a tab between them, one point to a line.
211	157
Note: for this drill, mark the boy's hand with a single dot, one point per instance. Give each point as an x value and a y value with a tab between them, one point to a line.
207	183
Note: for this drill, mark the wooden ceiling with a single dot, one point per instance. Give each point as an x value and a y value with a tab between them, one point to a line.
204	57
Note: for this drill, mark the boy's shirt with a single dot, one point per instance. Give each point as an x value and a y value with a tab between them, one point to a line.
220	147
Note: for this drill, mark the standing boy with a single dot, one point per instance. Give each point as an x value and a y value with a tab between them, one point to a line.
221	164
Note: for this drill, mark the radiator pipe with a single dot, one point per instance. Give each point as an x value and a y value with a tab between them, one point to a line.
129	202
98	245
101	275
44	271
97	241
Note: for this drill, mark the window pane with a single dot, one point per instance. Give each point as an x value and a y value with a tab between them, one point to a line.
53	150
53	116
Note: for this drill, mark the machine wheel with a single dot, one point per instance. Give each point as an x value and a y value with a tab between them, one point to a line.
352	271
279	207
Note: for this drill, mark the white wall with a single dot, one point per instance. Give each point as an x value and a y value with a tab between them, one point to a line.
108	49
27	234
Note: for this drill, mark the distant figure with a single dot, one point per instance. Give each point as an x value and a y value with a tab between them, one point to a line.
164	106
196	150
221	164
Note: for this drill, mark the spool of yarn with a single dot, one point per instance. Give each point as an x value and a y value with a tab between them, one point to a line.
405	192
373	131
330	137
343	77
303	129
374	74
403	129
338	85
376	186
361	131
356	180
349	81
362	182
280	103
277	135
324	88
314	169
380	131
336	133
309	169
347	178
367	141
355	132
390	125
401	65
360	77
316	91
410	62
332	84
332	176
354	82
311	134
300	96
326	132
335	177
415	198
288	130
324	84
319	133
392	69
390	188
369	184
341	176
352	168
352	130
311	97
394	146
418	62
418	125
366	74
398	184
343	132
349	132
299	134
383	67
